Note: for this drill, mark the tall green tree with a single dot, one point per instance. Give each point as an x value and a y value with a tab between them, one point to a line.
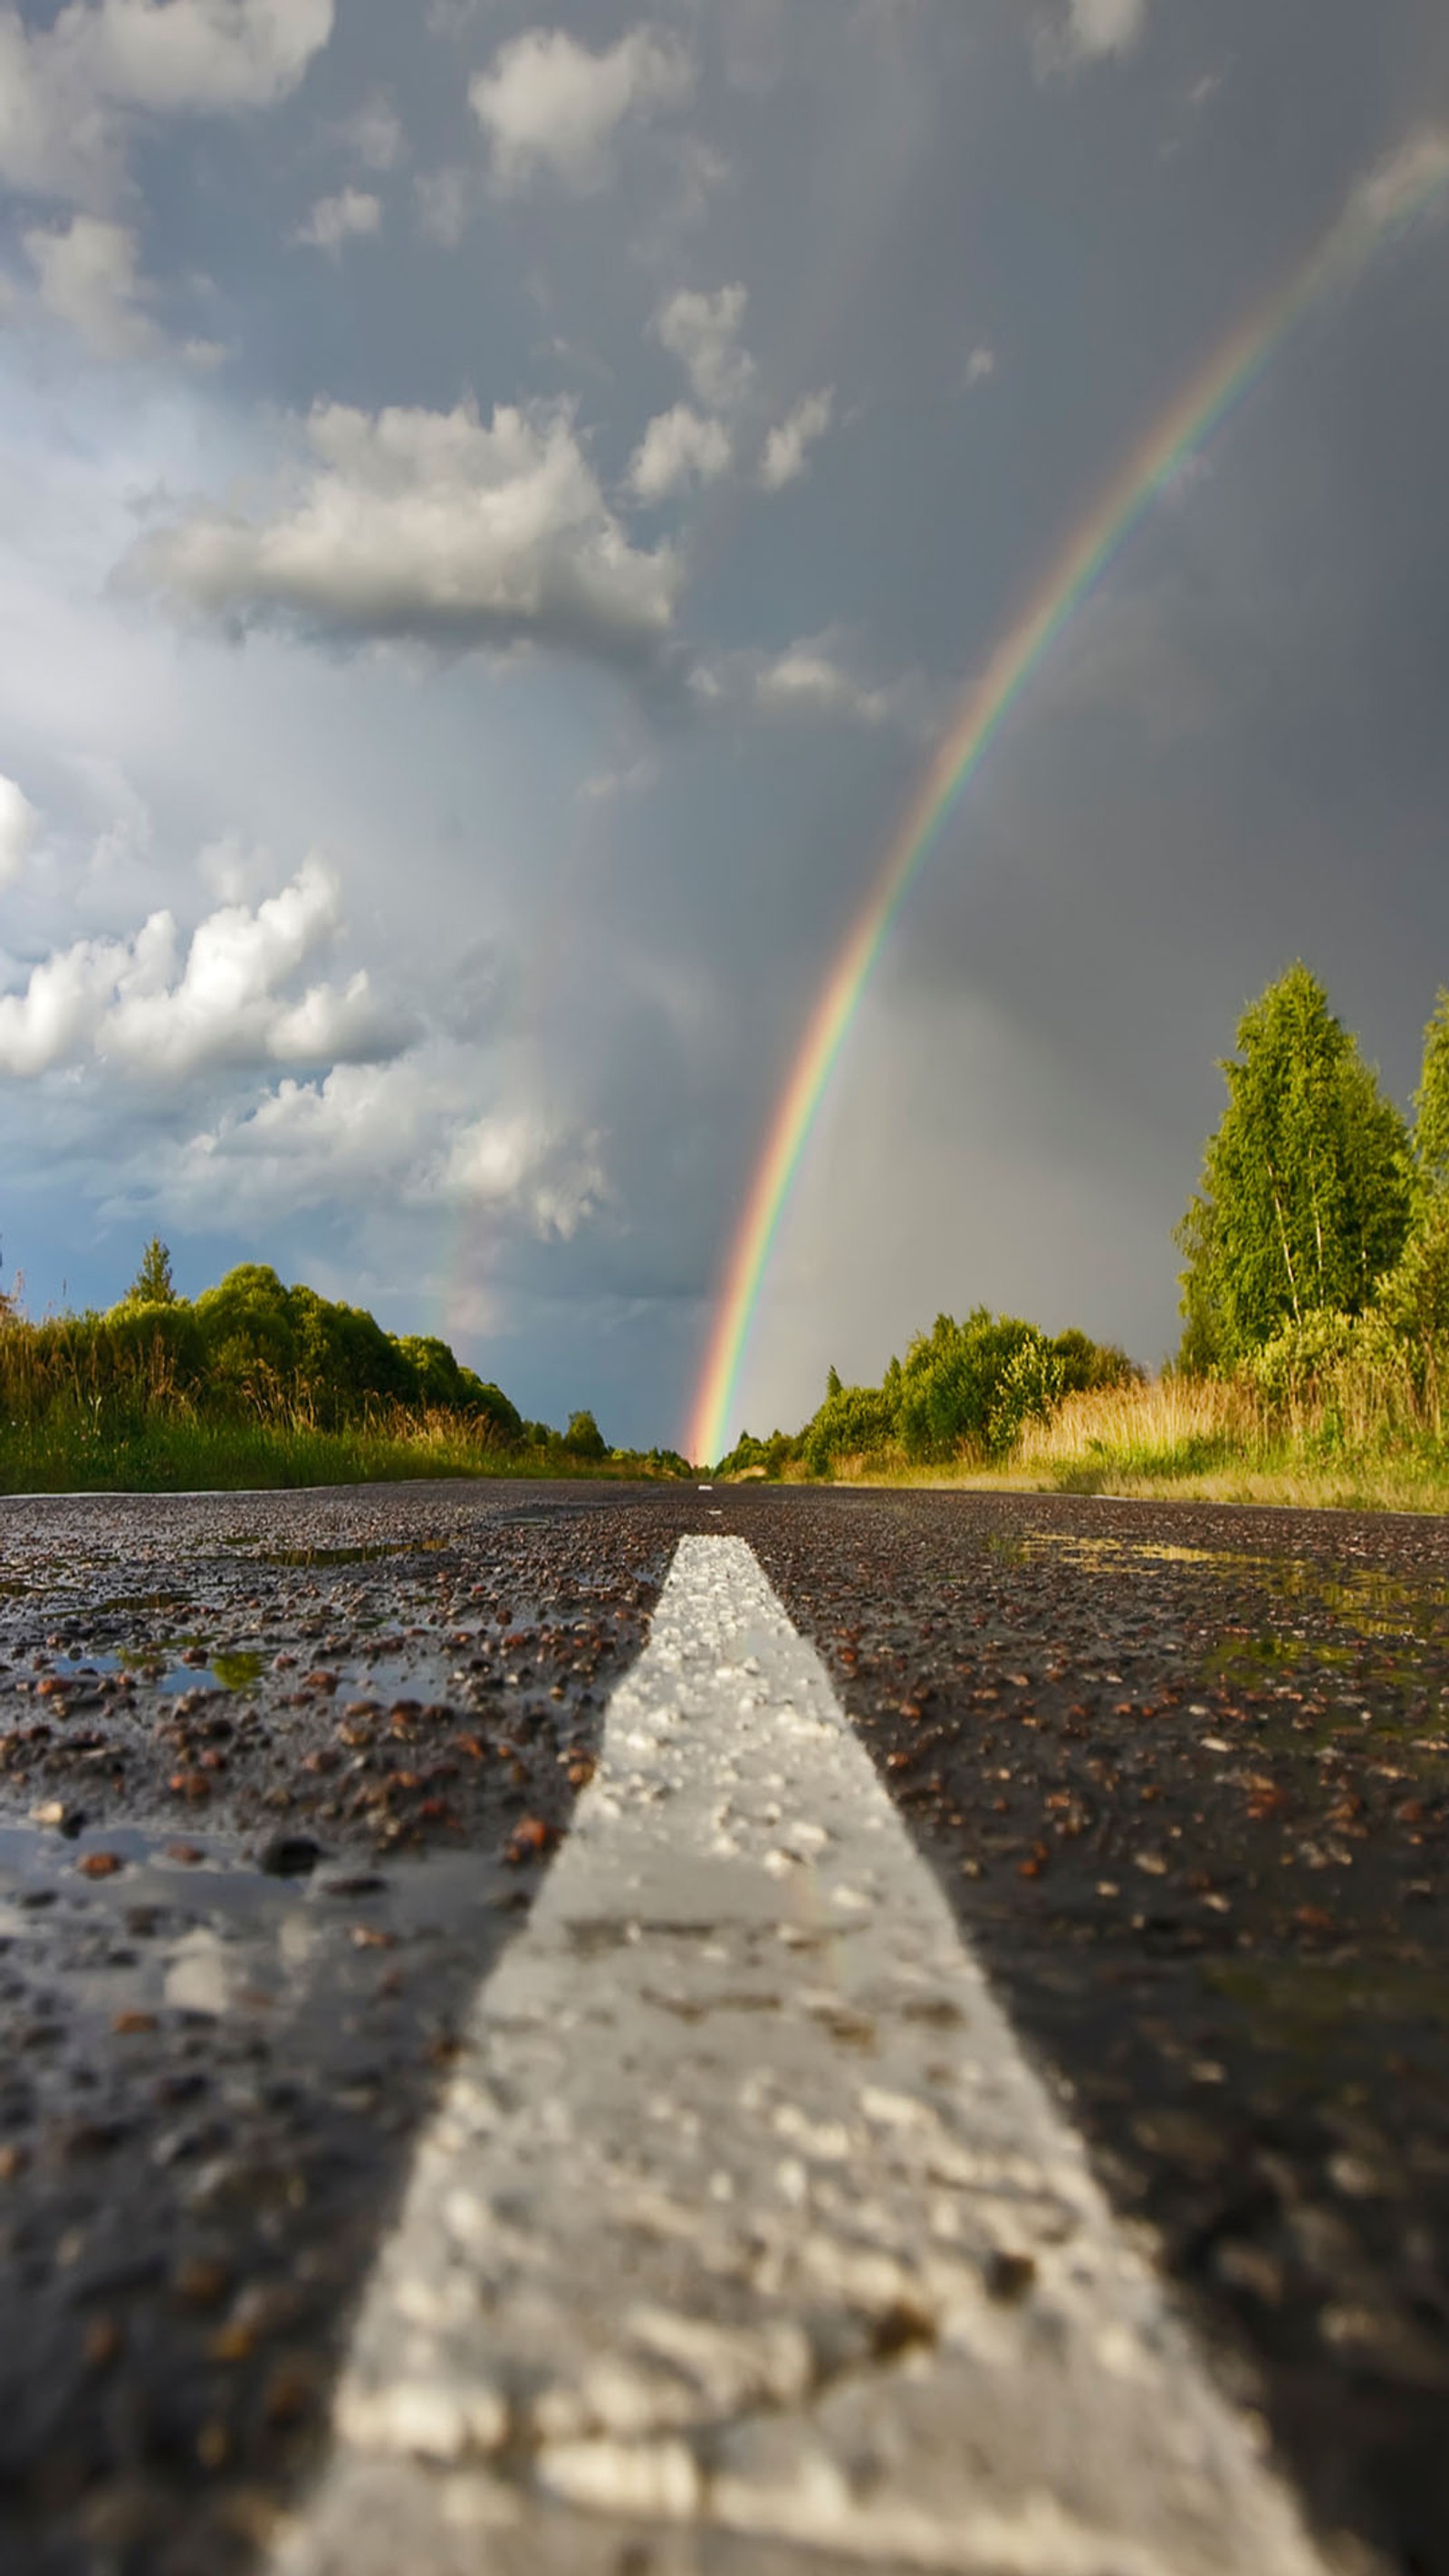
1431	1106
1416	1298
1305	1196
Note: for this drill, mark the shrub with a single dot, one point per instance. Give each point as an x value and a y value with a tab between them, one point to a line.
951	1379
1088	1366
853	1422
1338	1381
1028	1389
752	1457
583	1438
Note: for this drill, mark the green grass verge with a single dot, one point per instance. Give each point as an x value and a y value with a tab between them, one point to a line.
1198	1470
214	1457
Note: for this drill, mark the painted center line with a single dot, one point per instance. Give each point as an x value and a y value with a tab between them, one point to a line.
746	2237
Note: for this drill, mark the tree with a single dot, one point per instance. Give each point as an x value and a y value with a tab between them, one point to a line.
153	1284
250	1339
1305	1195
583	1438
1431	1106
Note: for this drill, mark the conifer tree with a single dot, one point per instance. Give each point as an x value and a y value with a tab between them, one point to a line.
153	1284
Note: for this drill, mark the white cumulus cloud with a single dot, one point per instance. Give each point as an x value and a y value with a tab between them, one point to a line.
402	1129
195	53
678	448
433	525
523	1161
68	90
703	333
349	216
547	104
810	682
19	823
803	680
1092	28
86	275
786	450
1409	183
149	1006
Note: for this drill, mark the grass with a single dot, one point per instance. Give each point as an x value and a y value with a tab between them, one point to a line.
1179	1439
170	1453
1215	1441
99	1404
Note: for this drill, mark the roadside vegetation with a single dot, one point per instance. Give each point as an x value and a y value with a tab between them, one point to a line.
1314	1362
254	1383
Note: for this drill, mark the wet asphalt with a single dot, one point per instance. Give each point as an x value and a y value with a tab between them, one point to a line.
279	1775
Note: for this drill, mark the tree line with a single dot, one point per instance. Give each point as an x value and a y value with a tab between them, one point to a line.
962	1389
254	1351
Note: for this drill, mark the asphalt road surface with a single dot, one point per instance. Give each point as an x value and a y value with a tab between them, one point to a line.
280	1779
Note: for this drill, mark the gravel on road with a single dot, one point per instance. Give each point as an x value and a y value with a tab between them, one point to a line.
1184	1773
279	1775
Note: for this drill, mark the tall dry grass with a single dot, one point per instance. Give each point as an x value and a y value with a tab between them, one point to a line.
1170	1422
1354	1436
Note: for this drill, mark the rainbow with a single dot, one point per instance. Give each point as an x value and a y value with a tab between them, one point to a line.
1384	206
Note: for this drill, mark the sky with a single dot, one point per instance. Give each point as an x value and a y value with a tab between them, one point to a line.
496	511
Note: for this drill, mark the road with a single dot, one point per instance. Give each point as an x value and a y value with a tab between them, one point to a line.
282	1778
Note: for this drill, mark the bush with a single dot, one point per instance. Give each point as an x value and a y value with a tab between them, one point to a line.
953	1379
1088	1366
488	1403
1343	1382
961	1389
752	1457
853	1422
249	1339
583	1438
1029	1389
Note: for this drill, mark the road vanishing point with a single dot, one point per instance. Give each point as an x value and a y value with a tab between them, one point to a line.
656	2033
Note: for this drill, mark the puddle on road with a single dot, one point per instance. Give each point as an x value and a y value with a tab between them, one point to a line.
1373	1602
373	1552
164	1666
237	1669
217	1885
1294	1635
120	1949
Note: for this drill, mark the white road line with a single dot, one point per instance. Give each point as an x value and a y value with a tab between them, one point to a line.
746	2226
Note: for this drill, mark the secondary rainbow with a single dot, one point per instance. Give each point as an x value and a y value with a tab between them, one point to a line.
1382	208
